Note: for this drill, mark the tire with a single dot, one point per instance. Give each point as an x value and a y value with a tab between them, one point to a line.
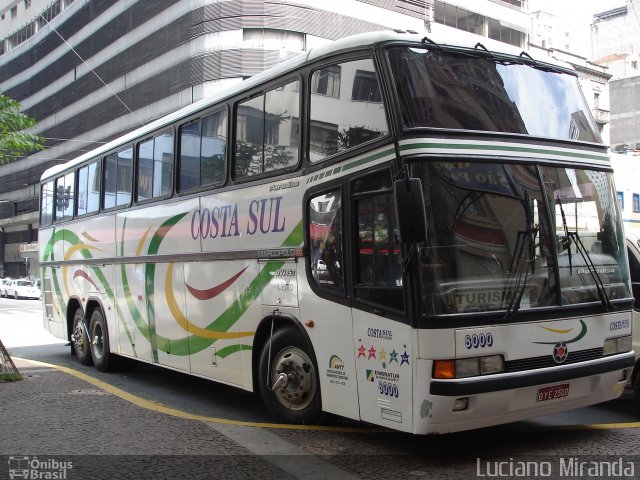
297	400
636	389
80	340
102	357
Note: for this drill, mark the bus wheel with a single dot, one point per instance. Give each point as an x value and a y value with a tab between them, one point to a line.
636	389
288	381
80	339
99	341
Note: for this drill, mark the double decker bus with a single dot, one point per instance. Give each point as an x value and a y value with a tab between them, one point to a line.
420	232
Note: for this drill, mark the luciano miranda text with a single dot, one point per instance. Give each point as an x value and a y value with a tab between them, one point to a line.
563	467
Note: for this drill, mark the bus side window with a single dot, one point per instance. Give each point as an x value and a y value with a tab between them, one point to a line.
203	144
346	108
155	167
325	240
118	171
267	131
46	203
64	197
88	189
378	272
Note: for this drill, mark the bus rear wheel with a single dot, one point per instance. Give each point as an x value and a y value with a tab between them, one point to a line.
288	378
99	341
80	340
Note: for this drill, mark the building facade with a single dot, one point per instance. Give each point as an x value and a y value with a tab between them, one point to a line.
91	70
615	38
616	45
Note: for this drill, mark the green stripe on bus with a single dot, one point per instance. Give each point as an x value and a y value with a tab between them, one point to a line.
500	148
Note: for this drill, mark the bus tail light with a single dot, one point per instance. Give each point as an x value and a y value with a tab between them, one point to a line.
617	345
468	367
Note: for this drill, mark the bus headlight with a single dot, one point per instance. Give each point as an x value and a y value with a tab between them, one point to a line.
468	367
617	345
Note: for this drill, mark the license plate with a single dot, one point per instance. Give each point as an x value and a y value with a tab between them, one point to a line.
552	392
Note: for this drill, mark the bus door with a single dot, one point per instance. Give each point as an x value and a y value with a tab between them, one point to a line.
382	335
325	310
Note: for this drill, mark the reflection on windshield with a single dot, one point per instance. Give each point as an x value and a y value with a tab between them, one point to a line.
496	238
446	90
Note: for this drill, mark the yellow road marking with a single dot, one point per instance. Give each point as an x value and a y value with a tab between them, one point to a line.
174	412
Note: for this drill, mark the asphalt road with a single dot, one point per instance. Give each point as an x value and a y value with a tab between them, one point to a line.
339	448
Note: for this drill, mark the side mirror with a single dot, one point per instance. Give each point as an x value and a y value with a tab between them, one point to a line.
410	210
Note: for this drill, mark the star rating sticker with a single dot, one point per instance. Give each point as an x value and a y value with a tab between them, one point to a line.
393	356
372	353
361	351
382	355
405	358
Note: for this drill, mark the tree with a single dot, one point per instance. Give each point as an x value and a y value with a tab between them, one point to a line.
14	139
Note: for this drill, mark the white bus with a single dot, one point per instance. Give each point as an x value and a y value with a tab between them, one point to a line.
417	232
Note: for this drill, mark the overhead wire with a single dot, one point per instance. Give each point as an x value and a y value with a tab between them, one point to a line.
92	70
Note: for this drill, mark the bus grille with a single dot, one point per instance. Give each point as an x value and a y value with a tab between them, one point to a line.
547	361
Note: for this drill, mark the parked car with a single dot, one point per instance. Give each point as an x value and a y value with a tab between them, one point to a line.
3	286
633	250
22	289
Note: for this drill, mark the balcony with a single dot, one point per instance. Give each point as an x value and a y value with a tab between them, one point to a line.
600	115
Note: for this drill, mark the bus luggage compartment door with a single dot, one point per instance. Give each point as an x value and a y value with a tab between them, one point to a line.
281	286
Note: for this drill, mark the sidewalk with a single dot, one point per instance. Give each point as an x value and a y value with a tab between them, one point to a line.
54	416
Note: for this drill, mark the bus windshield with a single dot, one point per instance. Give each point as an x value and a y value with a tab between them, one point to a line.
516	237
443	89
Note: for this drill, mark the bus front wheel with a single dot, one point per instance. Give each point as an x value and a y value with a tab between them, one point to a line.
80	338
288	378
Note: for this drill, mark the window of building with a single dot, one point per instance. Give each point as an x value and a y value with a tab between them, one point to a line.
459	18
338	124
636	203
366	87
118	175
620	200
326	81
202	152
505	34
155	167
264	132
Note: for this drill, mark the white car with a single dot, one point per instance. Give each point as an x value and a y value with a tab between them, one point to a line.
633	249
3	285
22	289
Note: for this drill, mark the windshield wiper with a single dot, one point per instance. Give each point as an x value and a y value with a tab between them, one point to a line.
573	237
525	243
600	288
566	241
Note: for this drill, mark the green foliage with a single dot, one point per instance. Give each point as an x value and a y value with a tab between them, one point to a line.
10	377
14	140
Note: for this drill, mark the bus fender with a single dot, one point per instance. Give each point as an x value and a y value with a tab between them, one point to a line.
266	328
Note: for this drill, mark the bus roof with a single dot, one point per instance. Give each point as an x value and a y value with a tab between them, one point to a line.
445	38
